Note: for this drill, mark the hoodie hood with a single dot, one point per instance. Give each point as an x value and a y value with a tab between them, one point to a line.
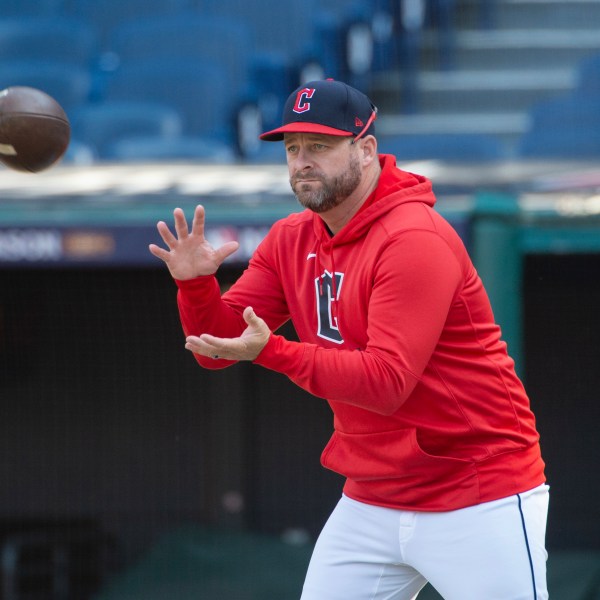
394	187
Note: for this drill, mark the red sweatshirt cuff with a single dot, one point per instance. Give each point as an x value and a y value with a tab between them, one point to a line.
196	291
281	355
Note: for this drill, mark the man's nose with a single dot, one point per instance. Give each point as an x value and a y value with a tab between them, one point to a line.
303	159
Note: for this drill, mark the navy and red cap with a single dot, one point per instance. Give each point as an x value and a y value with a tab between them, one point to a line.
327	107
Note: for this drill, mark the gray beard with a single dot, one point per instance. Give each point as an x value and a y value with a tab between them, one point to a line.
333	191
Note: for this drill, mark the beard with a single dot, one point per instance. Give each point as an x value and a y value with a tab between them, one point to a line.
331	192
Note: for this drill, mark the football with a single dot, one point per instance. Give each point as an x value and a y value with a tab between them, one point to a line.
34	129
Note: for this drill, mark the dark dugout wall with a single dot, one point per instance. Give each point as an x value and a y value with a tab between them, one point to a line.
562	367
106	417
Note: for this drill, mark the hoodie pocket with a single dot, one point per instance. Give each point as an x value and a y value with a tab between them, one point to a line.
389	455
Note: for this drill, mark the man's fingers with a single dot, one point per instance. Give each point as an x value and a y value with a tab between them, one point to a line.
253	320
246	347
205	344
249	315
209	345
181	226
159	252
165	233
198	221
227	249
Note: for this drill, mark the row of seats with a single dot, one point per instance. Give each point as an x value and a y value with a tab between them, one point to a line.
226	66
561	128
206	63
202	83
567	126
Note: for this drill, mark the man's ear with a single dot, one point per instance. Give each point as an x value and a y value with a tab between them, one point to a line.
369	149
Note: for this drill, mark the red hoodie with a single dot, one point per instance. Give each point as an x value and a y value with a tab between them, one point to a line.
428	411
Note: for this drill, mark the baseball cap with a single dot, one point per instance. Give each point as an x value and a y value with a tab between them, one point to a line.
328	107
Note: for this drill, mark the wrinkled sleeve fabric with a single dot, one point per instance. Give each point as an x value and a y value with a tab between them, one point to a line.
203	309
417	277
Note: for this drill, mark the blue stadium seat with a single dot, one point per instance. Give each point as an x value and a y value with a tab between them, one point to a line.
588	75
570	110
468	147
324	50
563	127
349	42
396	28
24	8
199	91
271	79
187	37
153	148
68	84
105	15
275	26
69	41
563	145
101	125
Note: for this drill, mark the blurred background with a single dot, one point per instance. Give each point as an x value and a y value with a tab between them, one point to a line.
130	473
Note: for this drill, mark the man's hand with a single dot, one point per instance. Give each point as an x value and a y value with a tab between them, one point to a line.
246	347
189	254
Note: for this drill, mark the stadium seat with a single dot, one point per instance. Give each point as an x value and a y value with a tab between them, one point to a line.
349	39
570	110
101	125
68	84
449	147
69	41
199	91
588	75
324	50
390	21
271	79
563	145
275	26
563	127
187	37
105	15
347	44
152	148
24	8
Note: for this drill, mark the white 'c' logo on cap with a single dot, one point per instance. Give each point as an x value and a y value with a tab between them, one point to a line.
301	105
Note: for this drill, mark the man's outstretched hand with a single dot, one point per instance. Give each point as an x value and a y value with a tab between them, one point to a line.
246	347
189	255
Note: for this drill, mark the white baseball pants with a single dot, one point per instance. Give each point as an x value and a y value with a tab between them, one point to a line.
492	551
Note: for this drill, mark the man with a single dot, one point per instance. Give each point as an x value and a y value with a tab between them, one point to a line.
433	429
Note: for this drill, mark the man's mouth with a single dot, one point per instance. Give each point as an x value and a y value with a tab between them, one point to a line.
305	179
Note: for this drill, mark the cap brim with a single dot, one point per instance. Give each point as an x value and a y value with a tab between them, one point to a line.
276	135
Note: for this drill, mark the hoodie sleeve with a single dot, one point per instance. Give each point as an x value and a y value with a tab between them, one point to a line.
416	280
204	309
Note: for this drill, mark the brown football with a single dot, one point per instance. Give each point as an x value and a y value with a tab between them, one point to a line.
34	129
